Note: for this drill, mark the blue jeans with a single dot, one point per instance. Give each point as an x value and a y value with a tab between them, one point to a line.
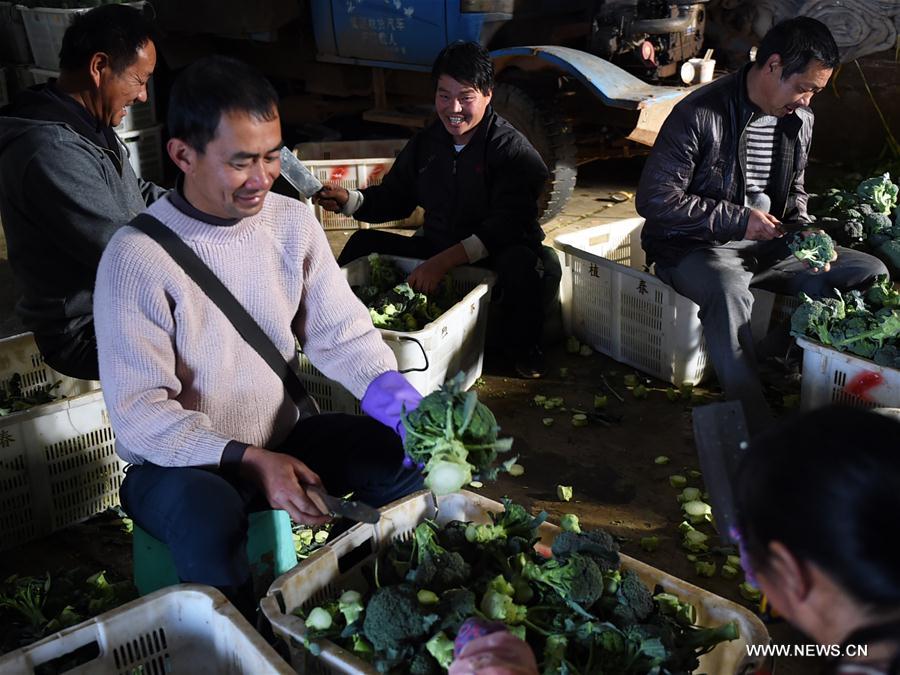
201	514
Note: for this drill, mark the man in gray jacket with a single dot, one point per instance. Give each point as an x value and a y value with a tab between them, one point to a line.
724	184
66	184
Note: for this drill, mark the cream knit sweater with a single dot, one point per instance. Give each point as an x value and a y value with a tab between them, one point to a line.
178	380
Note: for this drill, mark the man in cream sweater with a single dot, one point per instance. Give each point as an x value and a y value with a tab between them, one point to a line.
207	425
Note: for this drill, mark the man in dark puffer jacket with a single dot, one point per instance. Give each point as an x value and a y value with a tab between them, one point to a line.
724	184
478	180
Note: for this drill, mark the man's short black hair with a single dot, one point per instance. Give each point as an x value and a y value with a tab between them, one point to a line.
210	87
467	62
116	30
798	41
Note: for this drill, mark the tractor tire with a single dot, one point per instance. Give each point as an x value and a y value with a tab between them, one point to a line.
550	136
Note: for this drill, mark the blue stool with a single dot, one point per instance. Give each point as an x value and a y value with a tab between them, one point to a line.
270	549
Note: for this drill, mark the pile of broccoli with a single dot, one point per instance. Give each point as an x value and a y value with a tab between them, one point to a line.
864	215
863	323
392	302
578	610
451	435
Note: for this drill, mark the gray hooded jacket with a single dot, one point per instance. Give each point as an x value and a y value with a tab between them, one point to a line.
63	193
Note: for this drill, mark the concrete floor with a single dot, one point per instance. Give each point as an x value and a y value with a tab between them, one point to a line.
616	484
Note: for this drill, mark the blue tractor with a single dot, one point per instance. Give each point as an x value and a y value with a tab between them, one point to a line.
580	78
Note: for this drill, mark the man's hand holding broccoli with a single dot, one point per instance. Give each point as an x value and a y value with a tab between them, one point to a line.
814	248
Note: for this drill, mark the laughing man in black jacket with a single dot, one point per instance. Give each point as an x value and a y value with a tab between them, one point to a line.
724	184
478	180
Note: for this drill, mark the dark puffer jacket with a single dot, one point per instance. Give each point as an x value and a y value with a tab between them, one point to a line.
489	189
692	191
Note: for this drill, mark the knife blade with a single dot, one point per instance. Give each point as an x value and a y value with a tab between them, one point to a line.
354	510
298	175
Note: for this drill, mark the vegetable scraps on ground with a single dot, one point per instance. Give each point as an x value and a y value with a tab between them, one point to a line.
454	438
394	305
579	610
863	323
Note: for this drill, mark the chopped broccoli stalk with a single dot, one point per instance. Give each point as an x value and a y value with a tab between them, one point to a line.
569	522
350	605
564	492
319	619
441	648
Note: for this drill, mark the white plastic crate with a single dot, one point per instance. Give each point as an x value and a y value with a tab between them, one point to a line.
611	303
180	629
319	577
13	39
451	343
145	152
45	27
830	376
389	147
137	116
58	464
354	174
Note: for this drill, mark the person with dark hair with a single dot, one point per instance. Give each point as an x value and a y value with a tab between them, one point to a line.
206	424
724	184
817	500
478	180
66	183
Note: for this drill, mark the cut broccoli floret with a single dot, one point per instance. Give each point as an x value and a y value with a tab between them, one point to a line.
816	249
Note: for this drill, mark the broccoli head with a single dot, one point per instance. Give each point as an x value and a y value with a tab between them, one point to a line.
394	617
577	578
598	544
814	317
814	248
456	605
877	223
436	567
634	601
880	192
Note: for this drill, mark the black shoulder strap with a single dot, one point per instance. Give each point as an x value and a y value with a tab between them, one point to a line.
245	324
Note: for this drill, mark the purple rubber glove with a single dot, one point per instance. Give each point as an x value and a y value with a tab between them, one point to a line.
472	629
387	395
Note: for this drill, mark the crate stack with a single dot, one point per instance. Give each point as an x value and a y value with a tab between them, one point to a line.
30	40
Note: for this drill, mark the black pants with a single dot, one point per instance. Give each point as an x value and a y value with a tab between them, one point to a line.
718	279
519	271
201	515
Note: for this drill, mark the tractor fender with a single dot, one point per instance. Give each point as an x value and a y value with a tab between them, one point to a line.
612	85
